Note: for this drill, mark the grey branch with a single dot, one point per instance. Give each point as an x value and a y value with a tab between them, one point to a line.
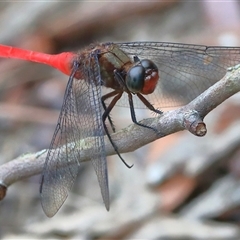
189	117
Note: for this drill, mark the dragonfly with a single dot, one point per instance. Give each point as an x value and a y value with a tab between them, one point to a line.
152	75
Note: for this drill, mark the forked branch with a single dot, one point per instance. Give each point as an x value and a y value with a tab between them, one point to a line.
188	117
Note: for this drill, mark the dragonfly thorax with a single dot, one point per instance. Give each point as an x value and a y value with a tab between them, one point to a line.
119	71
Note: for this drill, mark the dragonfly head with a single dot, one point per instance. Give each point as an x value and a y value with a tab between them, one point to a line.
142	77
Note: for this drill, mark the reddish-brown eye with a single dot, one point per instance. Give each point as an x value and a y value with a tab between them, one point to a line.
142	77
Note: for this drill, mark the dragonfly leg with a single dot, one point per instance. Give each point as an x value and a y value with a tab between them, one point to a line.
130	100
148	104
105	116
133	115
103	98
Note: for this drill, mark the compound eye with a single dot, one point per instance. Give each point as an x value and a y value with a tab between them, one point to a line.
148	64
135	78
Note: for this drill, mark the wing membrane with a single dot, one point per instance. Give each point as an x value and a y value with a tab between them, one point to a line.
185	70
61	165
80	117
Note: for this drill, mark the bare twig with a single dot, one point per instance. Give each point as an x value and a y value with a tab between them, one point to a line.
188	117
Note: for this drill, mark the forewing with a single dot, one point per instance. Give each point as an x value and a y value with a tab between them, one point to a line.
185	70
98	158
61	165
80	118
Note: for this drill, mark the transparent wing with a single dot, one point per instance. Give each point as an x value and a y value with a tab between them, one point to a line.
95	110
61	165
80	118
185	70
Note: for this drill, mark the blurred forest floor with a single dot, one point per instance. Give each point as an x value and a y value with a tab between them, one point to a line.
181	186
